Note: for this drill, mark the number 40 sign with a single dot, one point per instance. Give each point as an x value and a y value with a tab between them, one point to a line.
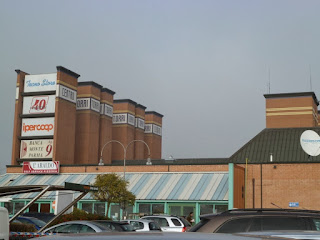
39	104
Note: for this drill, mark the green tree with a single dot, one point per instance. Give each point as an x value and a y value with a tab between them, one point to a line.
113	189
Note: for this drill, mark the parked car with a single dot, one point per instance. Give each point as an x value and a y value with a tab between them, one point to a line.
4	226
30	220
144	225
116	226
161	236
78	227
170	223
46	217
250	220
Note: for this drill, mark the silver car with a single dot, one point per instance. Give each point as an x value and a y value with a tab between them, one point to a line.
78	227
170	223
143	225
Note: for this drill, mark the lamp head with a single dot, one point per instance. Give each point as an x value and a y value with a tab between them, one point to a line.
101	162
149	161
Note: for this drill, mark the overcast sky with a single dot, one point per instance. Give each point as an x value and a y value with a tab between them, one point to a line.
202	64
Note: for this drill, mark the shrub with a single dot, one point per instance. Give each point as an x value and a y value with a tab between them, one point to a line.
78	214
22	227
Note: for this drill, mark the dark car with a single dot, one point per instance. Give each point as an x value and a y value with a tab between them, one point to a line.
30	220
252	220
46	217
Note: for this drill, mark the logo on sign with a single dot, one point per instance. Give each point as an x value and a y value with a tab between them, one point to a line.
37	126
41	82
39	104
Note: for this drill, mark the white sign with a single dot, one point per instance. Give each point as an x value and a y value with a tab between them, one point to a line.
83	103
39	104
17	93
41	148
140	123
48	167
101	108
108	110
310	142
40	83
156	129
131	119
119	118
66	93
37	127
148	128
95	105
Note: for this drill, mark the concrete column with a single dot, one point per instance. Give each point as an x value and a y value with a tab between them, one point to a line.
88	123
139	132
123	129
106	112
153	134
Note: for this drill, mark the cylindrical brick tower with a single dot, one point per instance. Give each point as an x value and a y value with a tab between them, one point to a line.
106	112
123	129
88	123
153	134
139	132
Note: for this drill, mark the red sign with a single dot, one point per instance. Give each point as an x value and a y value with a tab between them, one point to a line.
48	167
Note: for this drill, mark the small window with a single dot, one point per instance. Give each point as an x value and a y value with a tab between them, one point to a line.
236	225
154	226
161	221
176	222
316	222
86	229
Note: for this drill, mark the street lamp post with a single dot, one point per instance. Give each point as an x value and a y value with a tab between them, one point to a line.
125	154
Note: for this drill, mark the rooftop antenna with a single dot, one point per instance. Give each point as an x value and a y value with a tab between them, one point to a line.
269	82
310	78
276	205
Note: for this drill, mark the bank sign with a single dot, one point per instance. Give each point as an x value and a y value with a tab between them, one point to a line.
37	127
40	83
40	149
48	167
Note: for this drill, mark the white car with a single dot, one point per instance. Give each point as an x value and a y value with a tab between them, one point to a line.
144	225
170	223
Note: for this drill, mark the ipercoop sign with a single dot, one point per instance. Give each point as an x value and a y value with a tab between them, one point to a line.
37	127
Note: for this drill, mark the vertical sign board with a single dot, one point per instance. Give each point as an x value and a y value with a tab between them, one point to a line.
48	167
37	127
40	83
39	148
66	93
39	104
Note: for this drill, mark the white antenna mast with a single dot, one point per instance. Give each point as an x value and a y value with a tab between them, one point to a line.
310	78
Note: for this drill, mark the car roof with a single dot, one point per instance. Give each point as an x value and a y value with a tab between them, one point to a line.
263	212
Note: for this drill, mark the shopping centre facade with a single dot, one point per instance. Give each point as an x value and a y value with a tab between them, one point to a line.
70	131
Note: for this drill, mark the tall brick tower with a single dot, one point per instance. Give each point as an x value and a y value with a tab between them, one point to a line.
106	112
123	128
88	123
139	132
45	110
291	110
153	134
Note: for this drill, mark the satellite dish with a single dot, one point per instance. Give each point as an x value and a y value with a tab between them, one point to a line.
310	142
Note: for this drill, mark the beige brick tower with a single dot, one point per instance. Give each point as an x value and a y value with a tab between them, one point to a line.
106	112
88	123
153	134
123	129
65	116
291	110
44	117
139	132
17	120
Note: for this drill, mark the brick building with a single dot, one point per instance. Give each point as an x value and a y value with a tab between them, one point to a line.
270	170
